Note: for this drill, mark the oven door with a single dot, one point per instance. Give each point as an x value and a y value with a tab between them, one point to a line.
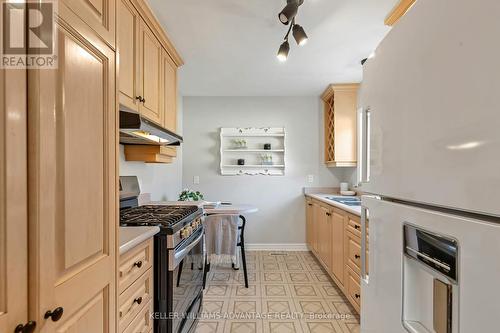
187	284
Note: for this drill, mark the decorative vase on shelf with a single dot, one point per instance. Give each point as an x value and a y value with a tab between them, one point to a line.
267	159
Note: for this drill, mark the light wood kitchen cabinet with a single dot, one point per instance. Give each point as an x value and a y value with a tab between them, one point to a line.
136	288
340	124
73	183
149	80
169	92
325	240
337	262
128	22
99	15
309	223
147	84
13	200
334	236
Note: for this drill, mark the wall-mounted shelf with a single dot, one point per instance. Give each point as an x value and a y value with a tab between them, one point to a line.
253	151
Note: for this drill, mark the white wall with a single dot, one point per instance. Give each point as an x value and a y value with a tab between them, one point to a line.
281	216
163	181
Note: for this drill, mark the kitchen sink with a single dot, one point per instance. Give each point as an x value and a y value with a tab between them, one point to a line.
354	201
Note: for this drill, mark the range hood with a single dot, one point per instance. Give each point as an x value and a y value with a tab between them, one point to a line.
137	130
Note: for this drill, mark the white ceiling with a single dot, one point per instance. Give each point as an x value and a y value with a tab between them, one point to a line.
229	46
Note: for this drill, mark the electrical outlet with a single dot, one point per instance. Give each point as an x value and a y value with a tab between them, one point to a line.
196	179
310	179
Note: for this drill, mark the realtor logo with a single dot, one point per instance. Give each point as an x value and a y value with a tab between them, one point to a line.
28	34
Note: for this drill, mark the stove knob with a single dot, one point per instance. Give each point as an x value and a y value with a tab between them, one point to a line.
184	233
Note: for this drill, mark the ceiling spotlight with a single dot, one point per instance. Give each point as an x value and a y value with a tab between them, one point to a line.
290	10
299	34
283	51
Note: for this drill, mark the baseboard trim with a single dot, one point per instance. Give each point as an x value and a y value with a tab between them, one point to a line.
276	247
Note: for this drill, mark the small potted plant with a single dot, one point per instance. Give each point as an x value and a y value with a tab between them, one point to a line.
188	195
240	143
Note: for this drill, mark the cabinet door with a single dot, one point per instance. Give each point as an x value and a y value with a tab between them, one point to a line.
13	200
309	224
317	228
128	54
169	95
324	235
99	15
73	184
150	74
338	226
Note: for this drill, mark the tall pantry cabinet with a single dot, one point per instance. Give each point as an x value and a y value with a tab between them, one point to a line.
58	163
72	180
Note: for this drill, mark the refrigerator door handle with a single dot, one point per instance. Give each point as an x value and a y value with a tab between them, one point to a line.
364	146
364	273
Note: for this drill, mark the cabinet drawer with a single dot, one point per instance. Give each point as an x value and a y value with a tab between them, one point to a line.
134	299
353	289
134	263
354	225
142	323
354	253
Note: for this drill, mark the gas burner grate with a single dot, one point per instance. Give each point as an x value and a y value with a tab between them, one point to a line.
155	215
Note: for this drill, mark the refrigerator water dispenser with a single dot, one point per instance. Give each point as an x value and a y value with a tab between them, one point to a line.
430	282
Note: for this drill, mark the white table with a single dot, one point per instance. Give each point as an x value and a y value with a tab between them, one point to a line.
239	210
232	209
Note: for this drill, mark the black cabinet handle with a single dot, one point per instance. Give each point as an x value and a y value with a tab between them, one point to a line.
55	315
139	98
356	256
29	327
138	300
357	295
328	214
310	204
138	264
357	227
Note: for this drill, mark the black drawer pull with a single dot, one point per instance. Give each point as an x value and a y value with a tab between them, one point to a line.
55	315
138	300
357	227
356	256
29	327
357	295
138	264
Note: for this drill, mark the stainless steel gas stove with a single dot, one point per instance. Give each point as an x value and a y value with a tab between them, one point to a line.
179	257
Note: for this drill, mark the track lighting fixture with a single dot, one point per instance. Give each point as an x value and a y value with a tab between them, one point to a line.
290	10
299	34
283	51
287	16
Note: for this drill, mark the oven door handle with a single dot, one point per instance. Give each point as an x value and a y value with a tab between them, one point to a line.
178	256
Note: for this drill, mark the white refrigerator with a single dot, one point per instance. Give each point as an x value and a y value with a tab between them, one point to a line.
429	161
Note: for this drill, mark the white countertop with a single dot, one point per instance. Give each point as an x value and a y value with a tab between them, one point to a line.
130	237
356	210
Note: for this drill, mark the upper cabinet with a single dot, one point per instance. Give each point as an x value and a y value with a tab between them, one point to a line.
99	15
147	75
128	25
169	92
340	121
149	78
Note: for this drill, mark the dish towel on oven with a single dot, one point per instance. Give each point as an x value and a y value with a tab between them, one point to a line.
221	237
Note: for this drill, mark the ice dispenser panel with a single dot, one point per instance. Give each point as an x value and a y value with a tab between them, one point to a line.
430	282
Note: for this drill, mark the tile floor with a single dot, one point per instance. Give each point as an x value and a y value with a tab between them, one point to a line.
288	292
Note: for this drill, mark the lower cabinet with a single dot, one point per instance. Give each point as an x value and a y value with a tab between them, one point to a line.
334	236
135	280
